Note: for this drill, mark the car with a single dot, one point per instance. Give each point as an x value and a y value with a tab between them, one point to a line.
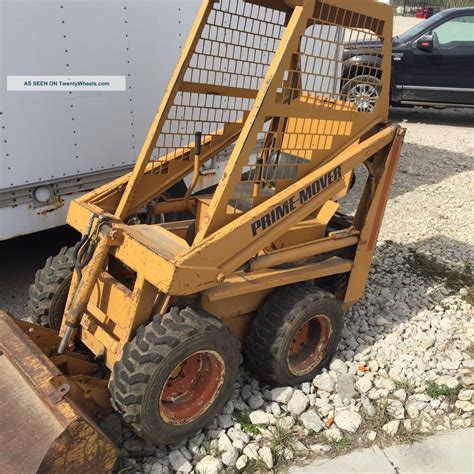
432	65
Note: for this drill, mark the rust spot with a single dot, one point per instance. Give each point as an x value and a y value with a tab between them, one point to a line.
191	387
310	344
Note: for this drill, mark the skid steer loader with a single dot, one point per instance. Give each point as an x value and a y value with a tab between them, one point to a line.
149	319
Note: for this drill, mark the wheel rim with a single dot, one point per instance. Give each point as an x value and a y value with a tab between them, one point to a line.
364	96
192	387
309	345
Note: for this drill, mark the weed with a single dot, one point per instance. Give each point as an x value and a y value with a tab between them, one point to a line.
282	438
246	424
434	390
405	436
209	450
382	416
339	447
342	444
255	465
127	470
404	384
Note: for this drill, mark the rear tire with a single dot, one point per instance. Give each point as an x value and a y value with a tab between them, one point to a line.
175	375
294	335
48	294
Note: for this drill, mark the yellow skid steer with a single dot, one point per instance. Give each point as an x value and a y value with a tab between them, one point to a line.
149	312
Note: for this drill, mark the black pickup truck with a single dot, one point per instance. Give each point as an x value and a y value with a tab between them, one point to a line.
432	65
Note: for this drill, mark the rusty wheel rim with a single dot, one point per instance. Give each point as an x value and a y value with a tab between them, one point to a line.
309	345
191	387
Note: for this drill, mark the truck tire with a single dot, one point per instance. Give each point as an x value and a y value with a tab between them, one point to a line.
48	293
363	91
294	335
175	375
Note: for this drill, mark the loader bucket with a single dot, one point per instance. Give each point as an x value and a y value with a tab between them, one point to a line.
42	428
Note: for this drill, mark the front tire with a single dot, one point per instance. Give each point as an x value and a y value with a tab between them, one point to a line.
294	335
175	375
48	294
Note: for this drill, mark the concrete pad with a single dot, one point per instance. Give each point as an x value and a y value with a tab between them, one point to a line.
369	460
447	453
444	453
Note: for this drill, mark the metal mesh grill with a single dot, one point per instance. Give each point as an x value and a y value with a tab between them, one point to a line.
282	157
235	49
236	45
289	147
320	69
192	112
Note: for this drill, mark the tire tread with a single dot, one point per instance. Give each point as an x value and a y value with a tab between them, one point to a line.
47	282
151	346
274	321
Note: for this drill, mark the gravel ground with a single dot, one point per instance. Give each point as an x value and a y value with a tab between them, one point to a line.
405	366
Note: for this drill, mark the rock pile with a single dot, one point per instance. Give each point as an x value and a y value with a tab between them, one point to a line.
404	367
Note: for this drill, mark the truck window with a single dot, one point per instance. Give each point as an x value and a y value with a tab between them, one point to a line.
456	30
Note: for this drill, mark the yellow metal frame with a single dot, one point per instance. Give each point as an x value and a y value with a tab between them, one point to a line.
236	253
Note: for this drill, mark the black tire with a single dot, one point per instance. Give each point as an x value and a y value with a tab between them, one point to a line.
48	294
277	326
363	91
150	363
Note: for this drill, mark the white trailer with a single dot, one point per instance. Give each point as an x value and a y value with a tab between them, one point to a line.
56	145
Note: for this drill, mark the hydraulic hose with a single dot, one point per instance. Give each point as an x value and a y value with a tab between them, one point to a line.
197	162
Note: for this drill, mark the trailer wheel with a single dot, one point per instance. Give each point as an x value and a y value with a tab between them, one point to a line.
175	375
48	293
294	335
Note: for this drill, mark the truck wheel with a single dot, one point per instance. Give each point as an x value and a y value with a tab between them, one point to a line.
363	92
48	294
294	335
175	375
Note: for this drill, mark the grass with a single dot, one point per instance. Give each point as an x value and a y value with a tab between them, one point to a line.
338	447
429	268
342	444
435	391
381	416
255	465
282	438
405	385
208	450
246	424
404	436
